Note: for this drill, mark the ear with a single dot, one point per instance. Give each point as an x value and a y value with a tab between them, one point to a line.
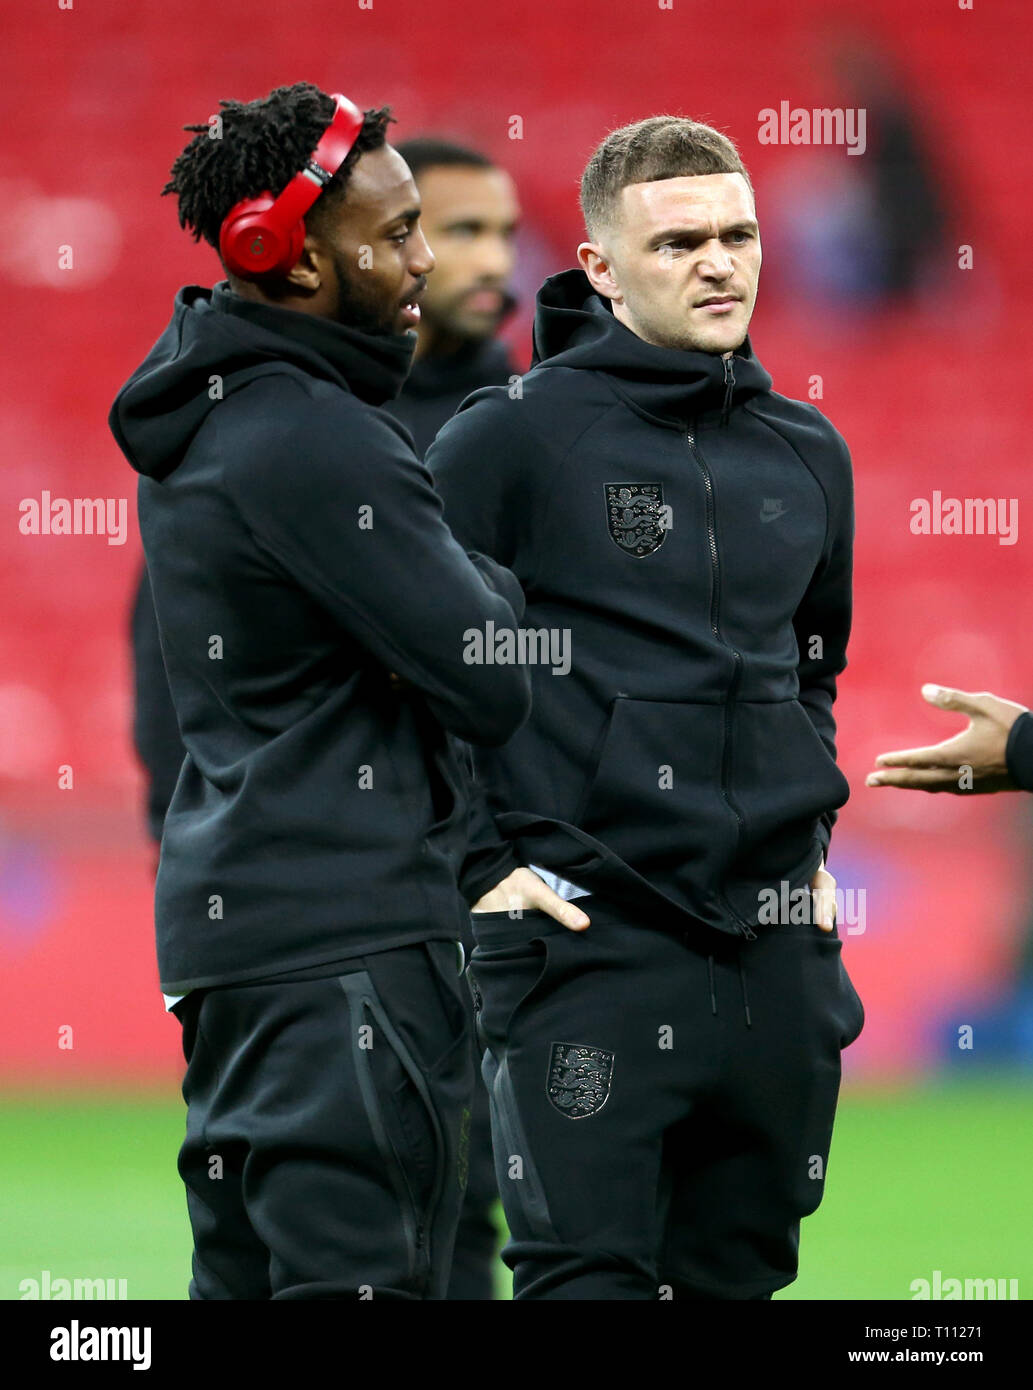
595	262
313	269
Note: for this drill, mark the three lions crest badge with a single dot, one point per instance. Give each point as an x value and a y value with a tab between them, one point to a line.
579	1079
636	516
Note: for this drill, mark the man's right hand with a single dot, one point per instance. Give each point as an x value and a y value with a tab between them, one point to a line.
522	890
980	750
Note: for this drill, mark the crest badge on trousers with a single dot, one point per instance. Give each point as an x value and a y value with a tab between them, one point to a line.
579	1079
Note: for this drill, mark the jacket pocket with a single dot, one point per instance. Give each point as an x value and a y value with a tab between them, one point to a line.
783	780
655	797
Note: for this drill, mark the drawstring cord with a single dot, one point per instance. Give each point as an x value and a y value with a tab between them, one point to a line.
745	996
742	986
713	996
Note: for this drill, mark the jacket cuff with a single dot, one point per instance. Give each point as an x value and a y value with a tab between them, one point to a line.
1018	752
485	872
503	581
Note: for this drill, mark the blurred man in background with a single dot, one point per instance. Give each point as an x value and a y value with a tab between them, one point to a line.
469	214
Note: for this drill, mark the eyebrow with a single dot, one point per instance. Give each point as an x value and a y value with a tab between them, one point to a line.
674	233
474	220
410	215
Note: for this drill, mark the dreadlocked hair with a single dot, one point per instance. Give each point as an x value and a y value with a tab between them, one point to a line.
257	147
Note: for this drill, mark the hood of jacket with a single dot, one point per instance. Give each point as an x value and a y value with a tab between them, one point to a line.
476	364
215	333
575	327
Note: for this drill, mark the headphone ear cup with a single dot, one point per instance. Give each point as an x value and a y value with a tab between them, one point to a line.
252	246
294	248
265	236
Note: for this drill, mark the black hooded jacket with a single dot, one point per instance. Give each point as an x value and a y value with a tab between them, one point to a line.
298	557
692	531
429	396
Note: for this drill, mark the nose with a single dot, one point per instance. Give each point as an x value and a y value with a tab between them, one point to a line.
421	261
715	263
495	258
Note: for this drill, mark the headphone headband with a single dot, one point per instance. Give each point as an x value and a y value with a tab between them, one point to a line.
264	236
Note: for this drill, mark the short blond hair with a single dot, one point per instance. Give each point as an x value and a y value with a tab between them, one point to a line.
659	147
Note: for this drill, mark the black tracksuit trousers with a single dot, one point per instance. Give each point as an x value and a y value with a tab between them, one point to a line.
328	1125
477	1238
662	1106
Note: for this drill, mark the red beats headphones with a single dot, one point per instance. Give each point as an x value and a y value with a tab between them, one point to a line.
264	236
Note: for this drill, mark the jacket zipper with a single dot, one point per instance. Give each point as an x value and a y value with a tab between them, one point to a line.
715	595
729	386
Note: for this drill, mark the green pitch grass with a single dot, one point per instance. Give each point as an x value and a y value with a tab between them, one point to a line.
920	1179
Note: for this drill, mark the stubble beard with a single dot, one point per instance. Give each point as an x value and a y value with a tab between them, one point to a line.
358	305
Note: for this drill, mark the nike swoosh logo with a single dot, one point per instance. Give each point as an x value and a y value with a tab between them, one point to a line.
773	516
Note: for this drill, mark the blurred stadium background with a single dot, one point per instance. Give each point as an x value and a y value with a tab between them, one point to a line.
924	367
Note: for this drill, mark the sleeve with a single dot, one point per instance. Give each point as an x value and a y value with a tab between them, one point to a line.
344	506
825	613
489	858
1019	751
483	467
155	727
475	459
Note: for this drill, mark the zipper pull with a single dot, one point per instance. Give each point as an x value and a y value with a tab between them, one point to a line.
729	386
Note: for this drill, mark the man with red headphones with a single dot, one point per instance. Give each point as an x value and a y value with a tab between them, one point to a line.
312	607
